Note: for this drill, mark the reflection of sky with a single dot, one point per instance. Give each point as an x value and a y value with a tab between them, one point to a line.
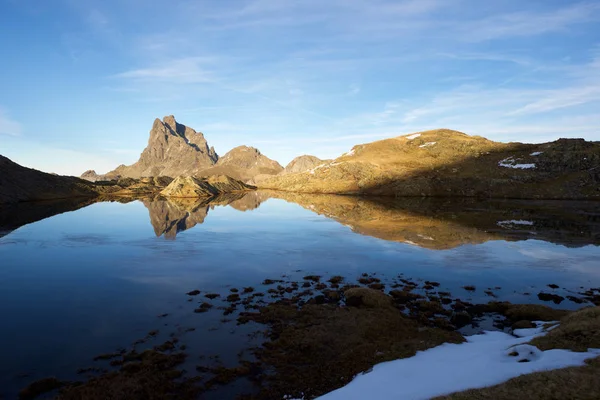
94	278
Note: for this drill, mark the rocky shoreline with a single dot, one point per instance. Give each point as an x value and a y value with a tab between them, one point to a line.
312	335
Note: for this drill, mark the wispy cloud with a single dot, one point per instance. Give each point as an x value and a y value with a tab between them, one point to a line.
354	90
8	126
183	70
530	23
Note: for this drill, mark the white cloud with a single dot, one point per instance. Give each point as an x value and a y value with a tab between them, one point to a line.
183	70
8	126
529	23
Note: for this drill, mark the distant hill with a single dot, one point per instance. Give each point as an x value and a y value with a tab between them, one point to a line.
18	183
298	164
243	163
302	163
444	162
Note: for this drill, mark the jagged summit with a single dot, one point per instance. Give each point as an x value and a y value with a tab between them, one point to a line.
173	149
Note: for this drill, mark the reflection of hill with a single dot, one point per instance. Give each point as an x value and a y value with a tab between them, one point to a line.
250	201
13	216
173	215
447	223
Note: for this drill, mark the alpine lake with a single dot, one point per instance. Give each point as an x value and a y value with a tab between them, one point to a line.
85	284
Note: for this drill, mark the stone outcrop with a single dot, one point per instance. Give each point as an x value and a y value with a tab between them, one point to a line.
173	150
18	183
192	187
443	162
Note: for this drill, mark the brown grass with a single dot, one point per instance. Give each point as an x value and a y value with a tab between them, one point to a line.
319	348
578	332
580	383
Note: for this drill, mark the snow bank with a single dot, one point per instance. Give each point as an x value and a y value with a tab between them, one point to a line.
413	136
428	144
510	162
485	360
505	224
536	153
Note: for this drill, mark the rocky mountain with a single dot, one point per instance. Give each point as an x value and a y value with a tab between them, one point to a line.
298	164
192	187
302	163
18	183
449	163
244	163
177	150
173	149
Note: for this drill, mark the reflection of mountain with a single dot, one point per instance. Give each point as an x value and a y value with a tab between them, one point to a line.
174	215
436	223
250	201
13	216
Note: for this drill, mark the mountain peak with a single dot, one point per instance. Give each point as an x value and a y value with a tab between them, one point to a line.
173	149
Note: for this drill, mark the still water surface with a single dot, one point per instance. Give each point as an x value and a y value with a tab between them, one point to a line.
82	283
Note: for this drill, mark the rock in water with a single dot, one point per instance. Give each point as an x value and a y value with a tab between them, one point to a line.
189	186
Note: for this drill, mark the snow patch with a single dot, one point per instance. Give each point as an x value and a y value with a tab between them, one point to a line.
485	360
510	162
350	153
411	243
312	171
534	331
428	144
536	153
425	237
506	224
413	136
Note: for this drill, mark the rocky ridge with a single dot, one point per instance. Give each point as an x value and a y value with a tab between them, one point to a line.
443	162
18	183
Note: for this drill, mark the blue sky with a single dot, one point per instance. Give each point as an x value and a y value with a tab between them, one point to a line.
82	80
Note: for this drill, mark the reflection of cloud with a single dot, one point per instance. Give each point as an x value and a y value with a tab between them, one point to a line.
543	254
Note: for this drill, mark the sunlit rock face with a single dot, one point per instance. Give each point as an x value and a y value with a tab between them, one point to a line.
442	163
